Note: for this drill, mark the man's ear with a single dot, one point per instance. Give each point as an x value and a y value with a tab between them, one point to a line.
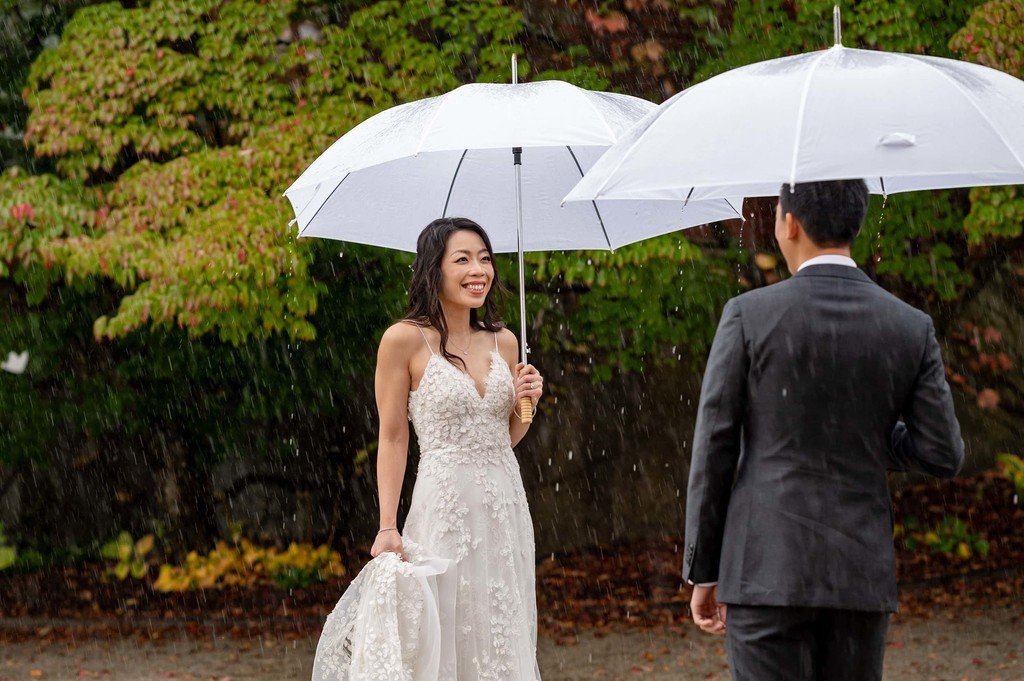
792	228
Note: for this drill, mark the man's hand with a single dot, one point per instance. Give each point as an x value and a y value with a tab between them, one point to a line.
708	613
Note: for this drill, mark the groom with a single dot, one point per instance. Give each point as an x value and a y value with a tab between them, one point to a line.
814	388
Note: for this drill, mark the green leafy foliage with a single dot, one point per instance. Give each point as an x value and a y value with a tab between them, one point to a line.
950	537
26	27
8	553
764	30
35	210
649	303
165	79
579	70
193	237
172	128
916	241
994	37
995	212
303	565
128	555
1012	468
244	96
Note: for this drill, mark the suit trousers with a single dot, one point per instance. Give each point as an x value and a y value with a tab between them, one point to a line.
805	644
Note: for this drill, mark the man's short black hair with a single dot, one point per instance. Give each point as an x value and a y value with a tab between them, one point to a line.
831	212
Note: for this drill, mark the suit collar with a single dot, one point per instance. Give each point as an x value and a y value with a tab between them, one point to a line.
841	271
828	259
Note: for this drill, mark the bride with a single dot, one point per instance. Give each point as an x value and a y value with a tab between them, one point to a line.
452	597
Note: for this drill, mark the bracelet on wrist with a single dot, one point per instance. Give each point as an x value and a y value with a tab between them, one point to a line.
387	529
515	410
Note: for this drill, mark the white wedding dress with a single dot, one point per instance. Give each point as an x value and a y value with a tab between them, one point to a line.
463	608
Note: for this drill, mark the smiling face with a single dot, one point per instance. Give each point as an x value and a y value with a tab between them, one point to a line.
467	270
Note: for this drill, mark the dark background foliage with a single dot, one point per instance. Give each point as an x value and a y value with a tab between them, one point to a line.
195	369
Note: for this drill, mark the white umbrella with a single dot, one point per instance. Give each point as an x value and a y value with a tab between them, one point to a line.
902	122
503	155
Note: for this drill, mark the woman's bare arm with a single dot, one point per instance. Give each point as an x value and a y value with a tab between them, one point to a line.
391	387
522	378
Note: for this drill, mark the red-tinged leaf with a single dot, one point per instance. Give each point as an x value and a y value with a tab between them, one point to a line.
613	22
992	335
988	399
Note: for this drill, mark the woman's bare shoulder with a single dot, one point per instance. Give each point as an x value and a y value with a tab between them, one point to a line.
508	344
403	336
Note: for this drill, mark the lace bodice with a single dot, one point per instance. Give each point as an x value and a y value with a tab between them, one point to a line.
450	415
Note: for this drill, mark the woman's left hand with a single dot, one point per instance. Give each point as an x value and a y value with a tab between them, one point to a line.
529	383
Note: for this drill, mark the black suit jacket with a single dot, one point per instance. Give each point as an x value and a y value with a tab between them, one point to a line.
799	419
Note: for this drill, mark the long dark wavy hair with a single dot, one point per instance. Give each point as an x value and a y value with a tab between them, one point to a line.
425	287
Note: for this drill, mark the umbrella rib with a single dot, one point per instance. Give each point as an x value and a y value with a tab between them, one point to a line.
444	213
611	133
738	211
600	220
800	115
321	207
974	104
428	127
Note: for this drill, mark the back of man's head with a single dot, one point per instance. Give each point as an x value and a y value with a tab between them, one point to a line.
831	212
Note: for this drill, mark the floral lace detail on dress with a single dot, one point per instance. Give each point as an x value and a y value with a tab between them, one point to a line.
449	414
374	632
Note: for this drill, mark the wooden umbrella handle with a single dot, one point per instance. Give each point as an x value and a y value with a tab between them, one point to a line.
525	410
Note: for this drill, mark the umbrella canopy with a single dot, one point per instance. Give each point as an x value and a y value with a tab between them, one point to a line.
452	155
902	122
502	155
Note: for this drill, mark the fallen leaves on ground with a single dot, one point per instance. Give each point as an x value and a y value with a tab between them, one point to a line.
634	585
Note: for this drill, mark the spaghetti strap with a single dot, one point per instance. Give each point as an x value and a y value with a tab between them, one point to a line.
496	341
425	339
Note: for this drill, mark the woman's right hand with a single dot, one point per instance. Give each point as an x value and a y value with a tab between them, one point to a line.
388	541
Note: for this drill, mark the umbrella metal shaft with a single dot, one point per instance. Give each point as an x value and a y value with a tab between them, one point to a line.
517	161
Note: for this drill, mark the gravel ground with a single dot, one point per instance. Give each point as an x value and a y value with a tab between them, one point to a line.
941	648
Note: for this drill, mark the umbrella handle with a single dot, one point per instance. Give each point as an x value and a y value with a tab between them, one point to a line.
525	403
525	410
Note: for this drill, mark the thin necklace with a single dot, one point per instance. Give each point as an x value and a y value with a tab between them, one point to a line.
465	351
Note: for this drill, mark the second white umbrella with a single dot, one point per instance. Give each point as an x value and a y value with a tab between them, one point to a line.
902	122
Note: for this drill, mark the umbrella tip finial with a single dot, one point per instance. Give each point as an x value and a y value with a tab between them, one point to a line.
837	25
515	69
